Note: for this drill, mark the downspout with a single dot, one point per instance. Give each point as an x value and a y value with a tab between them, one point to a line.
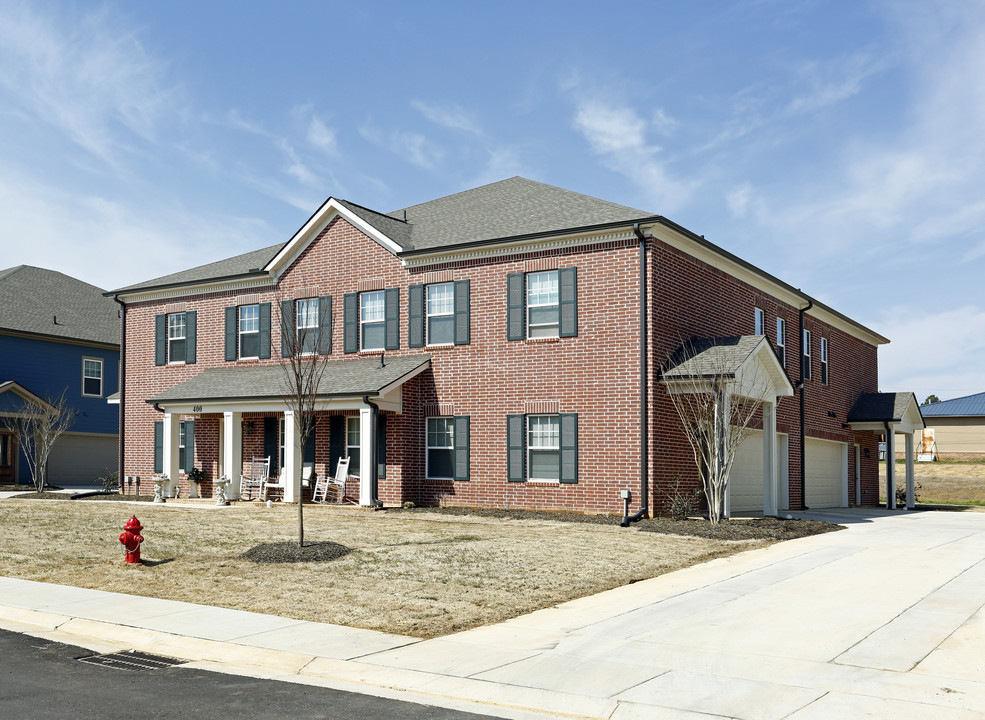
803	434
123	384
374	484
644	394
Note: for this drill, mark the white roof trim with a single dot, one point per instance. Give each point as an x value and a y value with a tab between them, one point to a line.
329	210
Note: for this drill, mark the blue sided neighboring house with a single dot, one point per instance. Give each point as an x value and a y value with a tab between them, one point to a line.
59	334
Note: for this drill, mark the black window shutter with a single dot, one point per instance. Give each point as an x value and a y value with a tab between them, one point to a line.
325	325
463	311
515	447
160	339
568	296
230	333
189	445
415	316
336	441
461	452
569	448
158	446
264	330
287	328
381	445
350	321
391	304
191	336
271	442
516	325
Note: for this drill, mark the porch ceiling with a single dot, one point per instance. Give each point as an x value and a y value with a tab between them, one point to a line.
342	378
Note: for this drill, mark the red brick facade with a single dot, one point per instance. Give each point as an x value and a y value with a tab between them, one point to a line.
595	375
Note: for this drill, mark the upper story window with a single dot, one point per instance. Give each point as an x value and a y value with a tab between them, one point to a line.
824	361
372	320
174	338
781	341
249	331
306	325
177	336
759	322
542	304
806	359
92	377
441	314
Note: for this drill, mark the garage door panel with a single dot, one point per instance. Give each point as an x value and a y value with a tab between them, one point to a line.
81	460
746	478
824	475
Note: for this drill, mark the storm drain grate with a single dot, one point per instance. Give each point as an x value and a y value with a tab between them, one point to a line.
132	660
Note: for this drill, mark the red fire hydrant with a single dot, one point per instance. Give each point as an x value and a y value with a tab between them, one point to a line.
131	539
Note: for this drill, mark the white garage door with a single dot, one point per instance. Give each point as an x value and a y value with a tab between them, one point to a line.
81	459
824	475
746	480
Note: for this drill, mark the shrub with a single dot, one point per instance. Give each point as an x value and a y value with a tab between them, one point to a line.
683	502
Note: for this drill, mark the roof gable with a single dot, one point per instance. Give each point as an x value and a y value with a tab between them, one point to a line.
48	303
748	361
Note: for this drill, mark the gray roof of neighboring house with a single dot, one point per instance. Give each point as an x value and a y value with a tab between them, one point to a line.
503	209
880	407
968	406
49	303
341	377
709	357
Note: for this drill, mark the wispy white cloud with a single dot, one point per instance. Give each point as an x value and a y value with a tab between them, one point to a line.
738	199
322	137
829	83
413	147
451	116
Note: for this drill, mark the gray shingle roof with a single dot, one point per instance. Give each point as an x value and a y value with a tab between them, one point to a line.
33	298
341	377
967	406
230	267
708	357
880	407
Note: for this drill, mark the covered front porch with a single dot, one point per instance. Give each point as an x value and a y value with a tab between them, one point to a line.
362	389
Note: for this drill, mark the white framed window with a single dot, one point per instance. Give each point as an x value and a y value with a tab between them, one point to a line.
440	448
806	360
372	320
92	377
249	331
759	322
781	341
182	439
441	314
824	361
543	447
543	309
177	337
352	443
306	324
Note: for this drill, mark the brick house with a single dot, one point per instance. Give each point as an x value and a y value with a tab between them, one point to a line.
498	347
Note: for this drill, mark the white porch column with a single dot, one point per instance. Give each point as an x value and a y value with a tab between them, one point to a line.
910	498
172	437
292	458
232	451
365	456
771	475
891	469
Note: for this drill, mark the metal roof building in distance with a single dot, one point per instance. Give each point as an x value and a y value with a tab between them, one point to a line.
967	406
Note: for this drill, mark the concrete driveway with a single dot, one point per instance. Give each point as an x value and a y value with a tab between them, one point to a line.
883	620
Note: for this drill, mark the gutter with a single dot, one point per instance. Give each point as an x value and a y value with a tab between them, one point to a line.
644	394
802	388
123	384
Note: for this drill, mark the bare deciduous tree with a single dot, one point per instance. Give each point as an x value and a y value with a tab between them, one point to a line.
717	392
304	367
37	427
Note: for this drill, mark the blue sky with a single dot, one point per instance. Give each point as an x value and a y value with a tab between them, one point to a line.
837	145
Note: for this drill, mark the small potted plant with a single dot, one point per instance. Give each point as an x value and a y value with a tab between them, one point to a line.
196	476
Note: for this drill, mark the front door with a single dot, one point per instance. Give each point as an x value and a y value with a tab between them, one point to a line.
7	445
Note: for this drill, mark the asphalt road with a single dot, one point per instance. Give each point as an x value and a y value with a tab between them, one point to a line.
41	680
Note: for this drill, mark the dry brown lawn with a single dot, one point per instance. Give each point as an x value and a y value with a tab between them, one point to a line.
420	574
958	483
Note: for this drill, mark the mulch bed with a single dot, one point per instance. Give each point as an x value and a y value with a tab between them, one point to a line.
289	552
759	528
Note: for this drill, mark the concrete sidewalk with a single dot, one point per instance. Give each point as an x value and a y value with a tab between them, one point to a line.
882	620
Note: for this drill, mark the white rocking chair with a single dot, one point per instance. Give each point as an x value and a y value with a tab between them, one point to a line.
252	483
337	483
